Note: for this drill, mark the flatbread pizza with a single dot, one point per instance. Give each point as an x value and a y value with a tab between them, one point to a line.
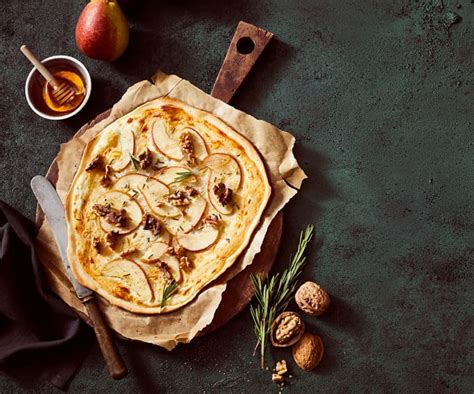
164	200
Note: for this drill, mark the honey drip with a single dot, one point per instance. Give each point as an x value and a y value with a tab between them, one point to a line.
72	79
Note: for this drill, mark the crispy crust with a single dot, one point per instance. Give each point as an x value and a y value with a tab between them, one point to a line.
74	238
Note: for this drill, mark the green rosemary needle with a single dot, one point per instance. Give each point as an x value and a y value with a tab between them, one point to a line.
183	175
168	291
135	162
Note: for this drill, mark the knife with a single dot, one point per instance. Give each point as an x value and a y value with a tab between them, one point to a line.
53	209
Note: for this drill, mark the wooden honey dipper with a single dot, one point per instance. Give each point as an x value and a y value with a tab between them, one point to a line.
62	91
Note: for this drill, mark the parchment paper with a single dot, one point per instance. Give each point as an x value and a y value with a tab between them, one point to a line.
182	325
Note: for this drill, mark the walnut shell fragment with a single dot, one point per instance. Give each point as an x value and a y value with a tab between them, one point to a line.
312	299
287	329
308	351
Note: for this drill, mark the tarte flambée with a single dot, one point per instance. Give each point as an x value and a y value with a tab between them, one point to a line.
164	200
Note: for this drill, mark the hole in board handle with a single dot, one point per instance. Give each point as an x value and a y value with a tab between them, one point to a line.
245	45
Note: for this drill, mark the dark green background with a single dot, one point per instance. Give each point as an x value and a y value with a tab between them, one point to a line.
379	95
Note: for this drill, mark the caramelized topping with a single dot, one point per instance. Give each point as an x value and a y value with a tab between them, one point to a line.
121	292
223	193
176	250
128	251
187	148
185	263
111	239
191	191
105	180
164	269
145	158
96	244
151	223
178	198
111	215
96	164
212	219
182	197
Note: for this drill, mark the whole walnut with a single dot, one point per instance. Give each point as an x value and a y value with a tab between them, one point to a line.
312	299
308	351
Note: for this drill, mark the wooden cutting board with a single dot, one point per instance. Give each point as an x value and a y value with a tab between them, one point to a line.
245	48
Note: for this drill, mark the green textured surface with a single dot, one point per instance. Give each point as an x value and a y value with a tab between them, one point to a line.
380	97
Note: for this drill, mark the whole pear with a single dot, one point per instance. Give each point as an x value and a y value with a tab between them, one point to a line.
102	30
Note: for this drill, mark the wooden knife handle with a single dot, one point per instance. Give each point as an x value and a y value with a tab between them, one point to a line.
245	48
115	364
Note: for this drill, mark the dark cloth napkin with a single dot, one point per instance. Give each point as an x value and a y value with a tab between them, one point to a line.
40	336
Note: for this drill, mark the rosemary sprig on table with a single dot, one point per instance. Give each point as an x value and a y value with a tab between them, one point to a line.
274	294
135	162
168	291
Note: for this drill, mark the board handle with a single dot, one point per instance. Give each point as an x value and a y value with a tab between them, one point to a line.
246	46
113	360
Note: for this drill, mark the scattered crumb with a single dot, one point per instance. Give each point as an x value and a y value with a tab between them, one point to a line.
280	370
277	378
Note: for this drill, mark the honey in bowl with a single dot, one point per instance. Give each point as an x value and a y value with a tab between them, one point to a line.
72	79
41	92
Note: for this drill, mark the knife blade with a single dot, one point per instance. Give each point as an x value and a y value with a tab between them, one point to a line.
53	209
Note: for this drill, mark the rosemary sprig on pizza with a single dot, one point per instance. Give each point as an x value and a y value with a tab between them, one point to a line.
164	200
